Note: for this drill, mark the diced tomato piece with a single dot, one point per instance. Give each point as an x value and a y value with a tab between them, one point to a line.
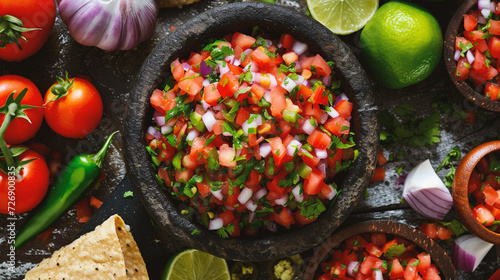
355	243
491	90
481	46
425	261
474	181
191	84
459	40
203	189
94	202
490	195
313	182
494	46
397	270
257	93
490	73
178	72
241	40
261	58
483	215
339	270
473	36
470	22
162	101
374	250
302	220
381	160
477	77
242	116
337	126
344	108
226	156
479	63
311	162
389	244
237	229
305	92
370	263
378	174
411	270
228	85
284	217
319	139
319	96
278	101
494	27
45	235
443	233
211	95
83	211
432	273
317	65
429	229
232	196
278	150
463	68
227	216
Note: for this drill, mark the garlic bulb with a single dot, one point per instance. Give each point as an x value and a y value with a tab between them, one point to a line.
109	24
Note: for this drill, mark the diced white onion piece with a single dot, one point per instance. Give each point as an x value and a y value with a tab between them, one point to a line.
352	268
300	80
268	43
293	147
288	84
154	132
493	7
255	77
483	4
245	195
223	68
470	57
237	62
227	134
267	96
217	194
192	134
308	127
332	194
251	206
321	154
332	112
205	105
274	83
257	120
247	51
324	117
209	120
378	274
469	251
247	68
166	129
298	196
456	56
206	82
216	224
425	192
299	47
265	149
486	12
229	58
282	201
259	194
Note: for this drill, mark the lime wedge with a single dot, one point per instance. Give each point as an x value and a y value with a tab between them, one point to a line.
192	264
342	16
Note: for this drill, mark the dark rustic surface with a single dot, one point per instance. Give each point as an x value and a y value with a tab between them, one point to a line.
113	73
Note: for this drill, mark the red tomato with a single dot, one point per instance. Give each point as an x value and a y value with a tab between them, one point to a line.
30	189
34	14
21	130
76	114
491	90
470	22
494	27
313	182
462	72
278	101
162	101
319	139
483	215
397	270
318	64
242	40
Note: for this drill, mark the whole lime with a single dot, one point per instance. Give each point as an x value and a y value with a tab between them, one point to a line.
401	45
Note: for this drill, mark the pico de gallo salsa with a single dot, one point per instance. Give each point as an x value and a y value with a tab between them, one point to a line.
484	190
249	132
378	256
478	49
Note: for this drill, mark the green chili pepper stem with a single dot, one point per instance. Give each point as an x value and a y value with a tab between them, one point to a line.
99	156
3	145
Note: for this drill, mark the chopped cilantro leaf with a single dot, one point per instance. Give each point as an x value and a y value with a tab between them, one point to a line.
128	194
312	208
195	231
395	251
224	232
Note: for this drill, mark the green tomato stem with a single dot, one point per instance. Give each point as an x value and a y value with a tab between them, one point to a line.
3	145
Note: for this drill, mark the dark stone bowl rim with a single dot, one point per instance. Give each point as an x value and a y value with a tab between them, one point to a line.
220	21
449	51
438	255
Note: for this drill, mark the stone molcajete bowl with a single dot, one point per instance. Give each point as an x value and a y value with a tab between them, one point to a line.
456	24
438	255
218	22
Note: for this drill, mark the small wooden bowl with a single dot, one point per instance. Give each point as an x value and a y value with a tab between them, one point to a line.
438	255
456	23
461	194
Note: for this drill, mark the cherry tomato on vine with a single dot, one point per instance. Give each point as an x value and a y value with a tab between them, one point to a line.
39	14
73	107
29	189
20	130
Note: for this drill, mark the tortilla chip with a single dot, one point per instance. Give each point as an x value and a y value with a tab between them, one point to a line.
108	252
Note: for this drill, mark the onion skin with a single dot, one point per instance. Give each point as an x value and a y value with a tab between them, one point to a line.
469	251
426	193
109	25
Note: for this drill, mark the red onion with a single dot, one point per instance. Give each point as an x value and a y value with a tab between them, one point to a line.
483	4
299	47
216	224
282	201
321	166
265	149
111	24
298	66
205	69
251	206
348	118
327	81
217	194
245	195
154	132
324	117
469	251
267	96
159	118
400	181
298	196
209	120
481	20
352	268
293	147
219	107
259	194
470	57
321	154
307	83
251	217
341	96
456	56
186	66
272	227
493	7
426	193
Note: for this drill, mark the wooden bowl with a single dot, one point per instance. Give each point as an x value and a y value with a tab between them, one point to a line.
218	22
461	193
438	255
456	24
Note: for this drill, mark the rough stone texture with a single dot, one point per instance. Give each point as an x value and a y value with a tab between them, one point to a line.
218	22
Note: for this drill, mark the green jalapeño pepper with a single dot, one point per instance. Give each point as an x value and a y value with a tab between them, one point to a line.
81	173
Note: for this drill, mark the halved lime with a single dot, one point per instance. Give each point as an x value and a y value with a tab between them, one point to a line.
342	16
192	264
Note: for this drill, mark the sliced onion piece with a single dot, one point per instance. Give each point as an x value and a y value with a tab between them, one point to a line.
205	105
378	275
209	120
192	134
259	194
159	118
282	201
245	195
299	47
154	132
332	194
341	96
456	56
321	154
217	194
483	4
307	127
469	251
332	112
265	149
216	224
166	129
470	57
293	147
425	192
206	82
251	206
298	196
486	12
205	69
352	268
288	84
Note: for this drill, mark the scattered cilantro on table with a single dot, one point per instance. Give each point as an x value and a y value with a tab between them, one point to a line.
128	194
